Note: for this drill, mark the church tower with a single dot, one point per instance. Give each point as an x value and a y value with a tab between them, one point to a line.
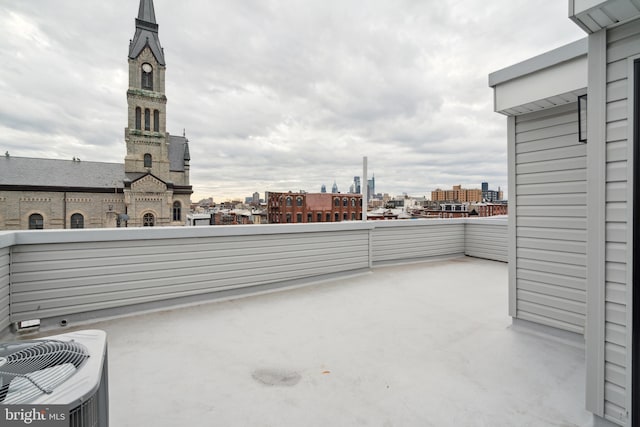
156	165
146	137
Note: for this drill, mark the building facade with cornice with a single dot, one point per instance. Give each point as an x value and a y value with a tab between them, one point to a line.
284	208
151	188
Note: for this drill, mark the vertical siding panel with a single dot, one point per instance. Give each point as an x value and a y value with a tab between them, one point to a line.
624	41
550	163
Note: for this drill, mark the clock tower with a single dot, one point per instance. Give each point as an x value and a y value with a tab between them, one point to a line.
146	100
156	165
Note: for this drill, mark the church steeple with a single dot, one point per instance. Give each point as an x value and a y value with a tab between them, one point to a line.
156	165
146	12
146	33
146	134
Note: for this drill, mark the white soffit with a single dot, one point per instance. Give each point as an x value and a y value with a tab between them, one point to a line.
554	78
594	15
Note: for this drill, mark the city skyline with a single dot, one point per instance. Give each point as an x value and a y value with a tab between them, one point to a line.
489	193
279	96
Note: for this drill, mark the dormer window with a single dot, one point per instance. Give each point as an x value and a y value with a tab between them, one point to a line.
147	76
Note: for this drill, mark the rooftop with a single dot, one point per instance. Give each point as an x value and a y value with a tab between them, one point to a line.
55	172
419	344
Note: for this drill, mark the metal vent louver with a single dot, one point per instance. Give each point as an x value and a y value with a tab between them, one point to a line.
32	368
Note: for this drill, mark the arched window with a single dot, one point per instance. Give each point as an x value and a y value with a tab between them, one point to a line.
345	202
77	221
319	216
288	218
299	218
309	217
353	216
336	202
337	217
177	211
36	222
138	118
147	119
147	76
156	121
328	217
147	160
344	216
148	220
353	202
288	201
299	201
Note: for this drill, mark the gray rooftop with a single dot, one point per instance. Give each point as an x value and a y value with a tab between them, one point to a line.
60	173
423	344
178	152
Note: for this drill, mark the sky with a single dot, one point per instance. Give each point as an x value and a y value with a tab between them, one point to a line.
280	95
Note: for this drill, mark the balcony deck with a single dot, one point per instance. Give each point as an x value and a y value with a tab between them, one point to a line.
420	344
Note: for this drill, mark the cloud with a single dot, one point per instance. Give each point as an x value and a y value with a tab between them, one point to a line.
280	95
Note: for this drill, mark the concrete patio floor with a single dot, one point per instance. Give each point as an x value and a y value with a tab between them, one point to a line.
423	344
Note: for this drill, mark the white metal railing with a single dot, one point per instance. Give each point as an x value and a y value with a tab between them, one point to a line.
59	274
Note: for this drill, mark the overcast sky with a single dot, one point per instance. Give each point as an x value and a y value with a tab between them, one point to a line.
279	95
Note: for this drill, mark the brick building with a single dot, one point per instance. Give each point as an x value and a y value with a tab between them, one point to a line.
488	209
457	194
313	207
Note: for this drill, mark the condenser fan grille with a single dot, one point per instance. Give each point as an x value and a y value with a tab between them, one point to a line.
30	369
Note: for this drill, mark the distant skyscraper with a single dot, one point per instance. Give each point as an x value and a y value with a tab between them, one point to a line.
371	187
323	189
356	185
256	198
334	189
490	195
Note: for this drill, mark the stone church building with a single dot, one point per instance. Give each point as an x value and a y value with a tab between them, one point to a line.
151	188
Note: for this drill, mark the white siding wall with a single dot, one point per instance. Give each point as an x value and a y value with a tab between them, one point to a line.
550	222
56	274
486	238
623	42
50	280
415	239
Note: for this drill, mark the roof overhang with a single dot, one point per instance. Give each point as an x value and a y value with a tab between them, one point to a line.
594	15
554	78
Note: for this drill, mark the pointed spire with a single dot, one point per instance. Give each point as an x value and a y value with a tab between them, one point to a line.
146	11
186	156
146	33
